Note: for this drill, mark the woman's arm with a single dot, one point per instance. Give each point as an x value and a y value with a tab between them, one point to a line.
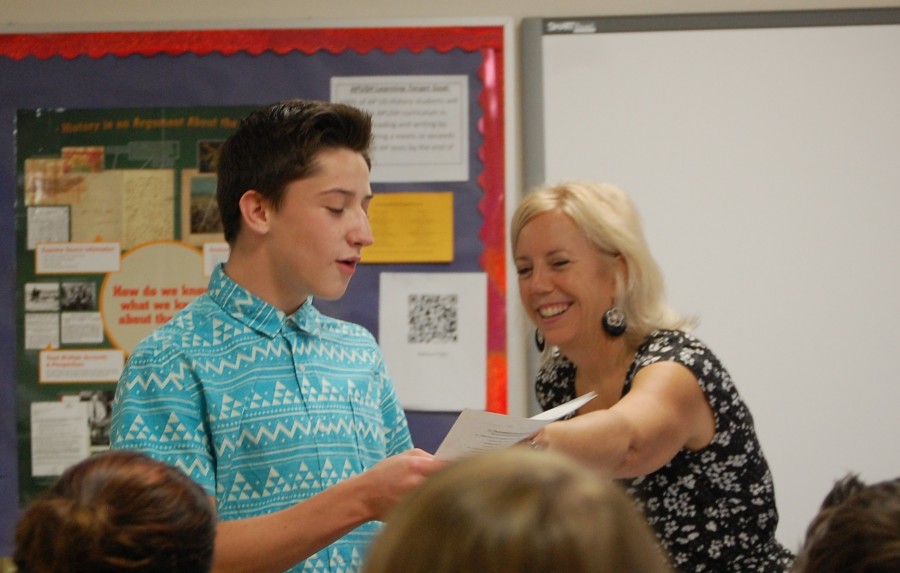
665	411
278	541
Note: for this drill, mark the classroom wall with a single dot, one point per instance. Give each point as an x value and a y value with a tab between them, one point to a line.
760	160
85	15
16	14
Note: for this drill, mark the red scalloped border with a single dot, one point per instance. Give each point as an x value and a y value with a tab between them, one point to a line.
486	39
254	42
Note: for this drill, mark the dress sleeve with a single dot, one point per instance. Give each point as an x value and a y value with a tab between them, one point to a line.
683	348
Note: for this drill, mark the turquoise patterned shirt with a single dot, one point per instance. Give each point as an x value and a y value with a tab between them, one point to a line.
260	408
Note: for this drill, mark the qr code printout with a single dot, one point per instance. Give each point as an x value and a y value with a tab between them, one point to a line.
433	318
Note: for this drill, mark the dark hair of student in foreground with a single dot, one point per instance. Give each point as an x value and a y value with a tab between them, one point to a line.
520	510
857	530
115	512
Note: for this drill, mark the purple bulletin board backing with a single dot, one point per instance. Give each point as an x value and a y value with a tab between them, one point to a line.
246	67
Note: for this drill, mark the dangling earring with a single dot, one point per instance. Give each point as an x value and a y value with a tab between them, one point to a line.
614	322
539	340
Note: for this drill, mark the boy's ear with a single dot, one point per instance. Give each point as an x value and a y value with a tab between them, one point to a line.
255	212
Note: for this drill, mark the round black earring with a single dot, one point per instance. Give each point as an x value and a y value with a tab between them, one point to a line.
539	340
614	322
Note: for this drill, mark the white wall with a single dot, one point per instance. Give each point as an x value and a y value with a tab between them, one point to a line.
763	162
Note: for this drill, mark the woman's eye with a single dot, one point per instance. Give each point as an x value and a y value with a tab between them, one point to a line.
523	271
559	264
336	210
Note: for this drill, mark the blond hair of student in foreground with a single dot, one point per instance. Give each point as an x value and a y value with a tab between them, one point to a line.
519	510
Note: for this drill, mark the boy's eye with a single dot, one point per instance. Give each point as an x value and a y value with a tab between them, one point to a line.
336	210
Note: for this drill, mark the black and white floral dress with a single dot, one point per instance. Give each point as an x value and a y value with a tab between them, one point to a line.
713	509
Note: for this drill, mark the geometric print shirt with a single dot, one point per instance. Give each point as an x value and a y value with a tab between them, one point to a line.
260	408
713	509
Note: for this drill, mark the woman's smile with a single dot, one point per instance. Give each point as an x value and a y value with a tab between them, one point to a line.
552	310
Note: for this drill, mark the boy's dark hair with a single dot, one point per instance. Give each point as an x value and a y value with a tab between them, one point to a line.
279	144
857	530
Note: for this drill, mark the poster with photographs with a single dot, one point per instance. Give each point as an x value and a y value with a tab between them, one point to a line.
121	230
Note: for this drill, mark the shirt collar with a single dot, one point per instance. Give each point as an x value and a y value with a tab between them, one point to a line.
256	313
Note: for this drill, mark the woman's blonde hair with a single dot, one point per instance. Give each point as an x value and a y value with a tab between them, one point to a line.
520	510
608	218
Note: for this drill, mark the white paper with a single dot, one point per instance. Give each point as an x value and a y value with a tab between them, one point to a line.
213	254
433	333
80	365
563	409
60	436
77	258
478	431
420	124
47	225
81	328
41	330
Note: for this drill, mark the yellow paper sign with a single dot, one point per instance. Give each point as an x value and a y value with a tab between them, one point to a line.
411	228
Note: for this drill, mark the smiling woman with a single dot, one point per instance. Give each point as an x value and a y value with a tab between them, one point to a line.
668	421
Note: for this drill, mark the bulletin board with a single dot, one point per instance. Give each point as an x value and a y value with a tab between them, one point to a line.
142	111
762	151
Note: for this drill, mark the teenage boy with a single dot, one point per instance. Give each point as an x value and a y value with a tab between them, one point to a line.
286	417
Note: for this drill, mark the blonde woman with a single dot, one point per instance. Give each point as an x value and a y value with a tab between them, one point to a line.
668	420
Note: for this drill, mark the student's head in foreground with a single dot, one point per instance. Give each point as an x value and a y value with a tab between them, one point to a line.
857	530
522	510
119	511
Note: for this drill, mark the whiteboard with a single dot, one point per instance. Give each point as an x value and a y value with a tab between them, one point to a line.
763	152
